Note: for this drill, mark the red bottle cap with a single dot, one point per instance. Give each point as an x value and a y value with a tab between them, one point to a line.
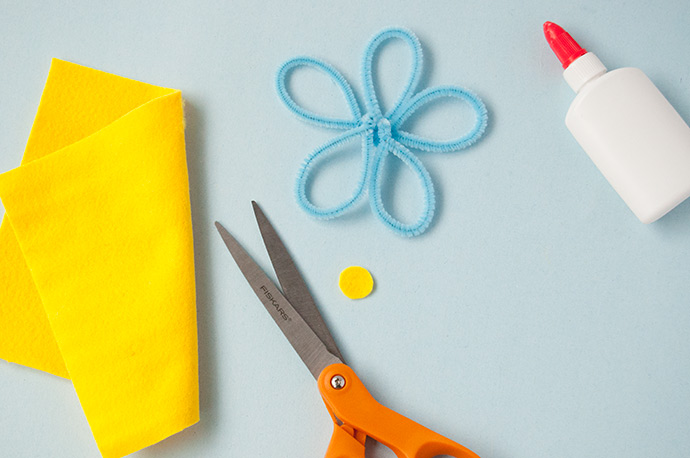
566	49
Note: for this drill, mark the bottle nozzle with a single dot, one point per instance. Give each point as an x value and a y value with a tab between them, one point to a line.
562	44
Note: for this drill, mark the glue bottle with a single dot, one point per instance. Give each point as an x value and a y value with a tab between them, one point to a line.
627	127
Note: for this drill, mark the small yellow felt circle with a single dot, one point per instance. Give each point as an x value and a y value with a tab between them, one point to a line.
356	282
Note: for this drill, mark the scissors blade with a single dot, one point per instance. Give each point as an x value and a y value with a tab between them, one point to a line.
292	283
306	343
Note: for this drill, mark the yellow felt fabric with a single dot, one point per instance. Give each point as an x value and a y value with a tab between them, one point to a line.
100	210
76	102
25	334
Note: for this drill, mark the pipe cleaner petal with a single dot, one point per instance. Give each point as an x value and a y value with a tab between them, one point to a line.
320	154
370	98
376	200
431	95
308	115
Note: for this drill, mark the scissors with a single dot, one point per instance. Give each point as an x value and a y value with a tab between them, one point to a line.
354	411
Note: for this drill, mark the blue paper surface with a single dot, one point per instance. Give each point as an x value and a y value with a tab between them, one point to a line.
536	317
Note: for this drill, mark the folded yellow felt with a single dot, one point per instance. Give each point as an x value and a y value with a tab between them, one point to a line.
96	255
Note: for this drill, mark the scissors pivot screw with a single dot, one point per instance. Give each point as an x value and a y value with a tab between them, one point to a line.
338	382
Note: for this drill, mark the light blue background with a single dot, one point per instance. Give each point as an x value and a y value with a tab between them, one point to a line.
536	318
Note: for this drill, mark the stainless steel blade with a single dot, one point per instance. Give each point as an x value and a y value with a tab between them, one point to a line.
292	283
306	343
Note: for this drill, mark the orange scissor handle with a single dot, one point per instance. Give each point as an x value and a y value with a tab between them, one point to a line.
345	443
350	402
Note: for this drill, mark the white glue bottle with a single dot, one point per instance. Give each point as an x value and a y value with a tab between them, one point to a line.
627	127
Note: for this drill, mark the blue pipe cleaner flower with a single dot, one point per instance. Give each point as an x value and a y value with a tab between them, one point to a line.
380	133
